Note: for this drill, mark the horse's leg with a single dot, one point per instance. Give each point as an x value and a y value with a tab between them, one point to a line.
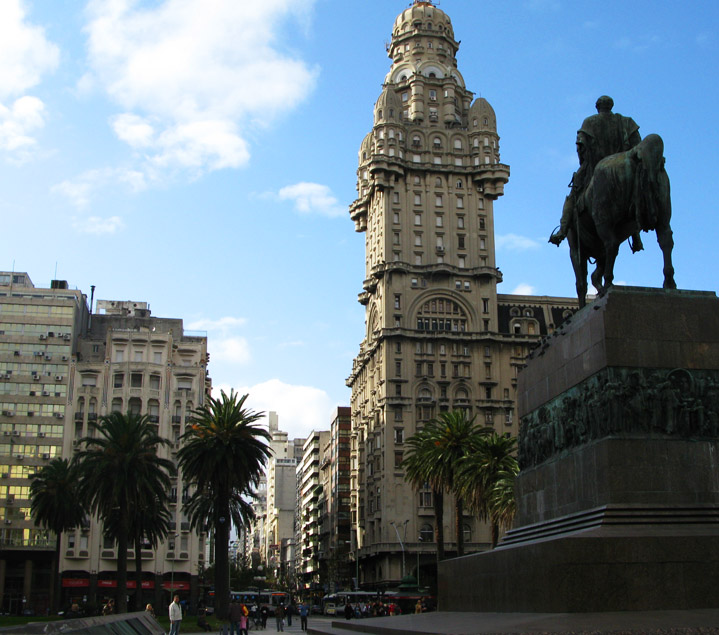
597	276
666	243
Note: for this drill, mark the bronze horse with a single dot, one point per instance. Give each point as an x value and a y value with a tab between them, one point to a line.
627	192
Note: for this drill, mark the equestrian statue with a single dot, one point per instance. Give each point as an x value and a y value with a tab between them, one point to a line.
620	189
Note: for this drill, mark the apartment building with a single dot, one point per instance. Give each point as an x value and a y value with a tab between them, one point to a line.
39	330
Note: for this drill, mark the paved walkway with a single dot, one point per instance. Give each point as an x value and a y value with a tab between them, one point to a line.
669	622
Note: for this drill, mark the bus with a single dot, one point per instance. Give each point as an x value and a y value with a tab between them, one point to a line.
270	597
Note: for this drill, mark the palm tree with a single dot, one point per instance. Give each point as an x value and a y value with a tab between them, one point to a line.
485	479
222	456
446	440
417	463
119	472
55	505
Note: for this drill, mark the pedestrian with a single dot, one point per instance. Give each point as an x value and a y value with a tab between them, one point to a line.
175	612
304	612
109	607
264	614
418	606
288	612
348	611
280	617
235	615
150	610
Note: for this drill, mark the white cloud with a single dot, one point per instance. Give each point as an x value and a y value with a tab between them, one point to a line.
523	289
25	56
312	198
235	350
514	242
79	190
195	77
300	409
98	225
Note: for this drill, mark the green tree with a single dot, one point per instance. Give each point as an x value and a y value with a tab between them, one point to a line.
120	472
417	463
223	454
55	505
485	480
443	442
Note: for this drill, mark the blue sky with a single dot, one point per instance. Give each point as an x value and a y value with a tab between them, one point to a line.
200	155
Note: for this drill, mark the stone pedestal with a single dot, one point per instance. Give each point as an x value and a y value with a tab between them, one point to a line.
618	497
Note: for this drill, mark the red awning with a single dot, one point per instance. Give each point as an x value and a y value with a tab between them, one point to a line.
75	582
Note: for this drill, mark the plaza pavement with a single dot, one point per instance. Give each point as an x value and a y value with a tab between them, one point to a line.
446	623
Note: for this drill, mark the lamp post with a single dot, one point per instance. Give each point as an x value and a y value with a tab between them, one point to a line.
401	544
419	539
172	574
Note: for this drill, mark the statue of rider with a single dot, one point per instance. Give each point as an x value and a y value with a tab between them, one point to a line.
601	135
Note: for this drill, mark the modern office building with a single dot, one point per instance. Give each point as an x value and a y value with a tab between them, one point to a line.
127	360
281	497
39	329
438	335
309	494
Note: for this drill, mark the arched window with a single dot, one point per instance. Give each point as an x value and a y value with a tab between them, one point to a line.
441	314
467	533
116	405
81	406
135	405
426	533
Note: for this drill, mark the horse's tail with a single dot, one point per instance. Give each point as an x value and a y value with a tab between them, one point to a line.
651	183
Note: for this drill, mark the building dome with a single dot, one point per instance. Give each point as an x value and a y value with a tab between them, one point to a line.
484	114
387	108
425	16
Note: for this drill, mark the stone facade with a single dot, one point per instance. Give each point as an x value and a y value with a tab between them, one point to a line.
438	335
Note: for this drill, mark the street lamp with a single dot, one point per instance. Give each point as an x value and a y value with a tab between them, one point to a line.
172	575
419	539
401	544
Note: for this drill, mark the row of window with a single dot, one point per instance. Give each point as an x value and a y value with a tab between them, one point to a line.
20	368
32	389
36	309
38	350
43	331
30	451
31	430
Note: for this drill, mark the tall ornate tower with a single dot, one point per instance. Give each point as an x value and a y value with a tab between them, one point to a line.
438	337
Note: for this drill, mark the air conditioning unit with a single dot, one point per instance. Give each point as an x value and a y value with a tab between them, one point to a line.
10	500
30	413
46	456
7	413
38	353
19	457
64	358
8	521
45	393
4	475
6	433
32	393
58	377
16	433
43	337
10	413
40	435
59	415
66	336
36	377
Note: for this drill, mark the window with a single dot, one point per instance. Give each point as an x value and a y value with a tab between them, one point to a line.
418	219
119	355
460	241
398	414
488	392
485	305
137	355
438	221
461	262
405	96
418	240
426	533
136	380
395	238
460	222
395	197
157	357
398	390
155	382
460	202
395	218
398	369
438	200
482	223
95	348
483	243
397	460
89	380
467	533
397	301
417	199
118	380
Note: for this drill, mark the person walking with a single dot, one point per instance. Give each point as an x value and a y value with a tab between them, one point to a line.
280	617
288	612
304	612
235	617
264	614
175	612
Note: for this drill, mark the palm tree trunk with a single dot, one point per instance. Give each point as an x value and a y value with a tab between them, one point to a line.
495	532
459	525
438	499
222	559
138	573
122	540
55	582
